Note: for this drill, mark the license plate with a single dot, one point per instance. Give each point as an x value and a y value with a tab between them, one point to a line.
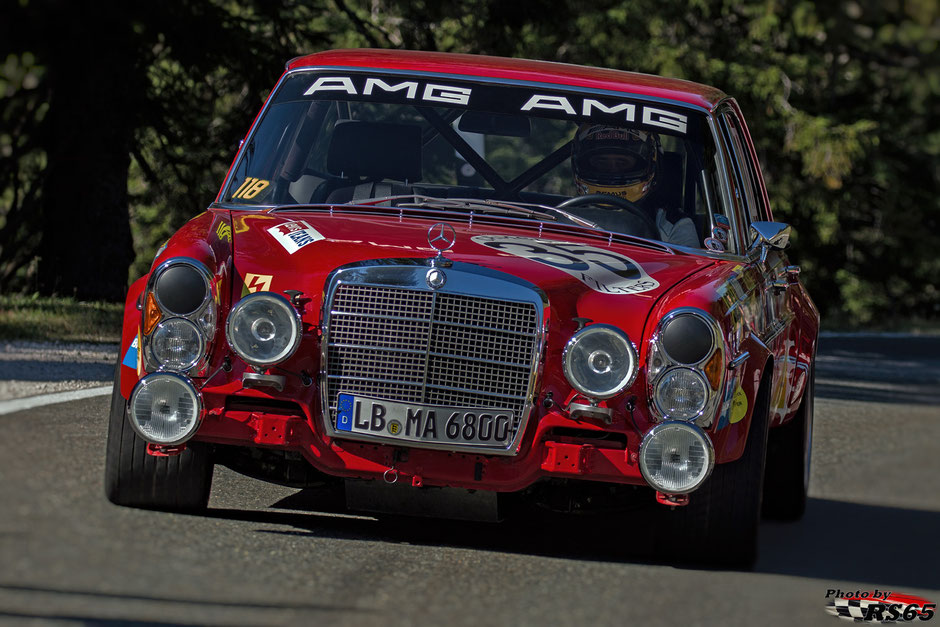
413	422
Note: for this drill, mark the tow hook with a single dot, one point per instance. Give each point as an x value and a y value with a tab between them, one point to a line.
672	500
160	450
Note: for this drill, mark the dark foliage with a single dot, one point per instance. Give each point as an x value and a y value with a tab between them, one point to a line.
135	109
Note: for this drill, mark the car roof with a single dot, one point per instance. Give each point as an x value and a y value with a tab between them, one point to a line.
520	70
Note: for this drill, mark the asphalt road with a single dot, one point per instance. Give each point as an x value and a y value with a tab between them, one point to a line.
260	557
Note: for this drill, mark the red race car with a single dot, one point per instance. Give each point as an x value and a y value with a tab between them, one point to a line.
440	278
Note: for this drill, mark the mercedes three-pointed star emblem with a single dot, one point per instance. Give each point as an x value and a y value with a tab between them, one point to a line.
441	237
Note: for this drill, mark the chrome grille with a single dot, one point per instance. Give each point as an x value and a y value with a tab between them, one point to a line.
436	348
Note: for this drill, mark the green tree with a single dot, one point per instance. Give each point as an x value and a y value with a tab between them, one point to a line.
840	99
97	93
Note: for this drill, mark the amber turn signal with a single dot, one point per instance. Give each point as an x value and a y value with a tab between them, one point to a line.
713	370
152	314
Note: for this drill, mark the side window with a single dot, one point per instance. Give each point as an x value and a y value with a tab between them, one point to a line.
747	176
725	177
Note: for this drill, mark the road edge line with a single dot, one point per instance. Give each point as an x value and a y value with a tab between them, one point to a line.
31	402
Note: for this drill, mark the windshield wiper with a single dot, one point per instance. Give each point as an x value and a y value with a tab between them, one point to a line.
501	207
574	218
472	204
418	201
506	207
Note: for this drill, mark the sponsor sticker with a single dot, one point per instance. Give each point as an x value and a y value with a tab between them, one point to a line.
602	270
250	188
295	235
502	99
130	357
257	283
738	405
878	606
224	232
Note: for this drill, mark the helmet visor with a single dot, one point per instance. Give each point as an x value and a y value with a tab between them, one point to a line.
609	156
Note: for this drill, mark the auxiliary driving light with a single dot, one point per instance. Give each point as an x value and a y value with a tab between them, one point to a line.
263	329
165	408
599	361
676	457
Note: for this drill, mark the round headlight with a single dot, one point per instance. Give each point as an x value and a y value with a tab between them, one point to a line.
165	409
676	457
263	329
599	361
687	338
681	393
180	288
176	344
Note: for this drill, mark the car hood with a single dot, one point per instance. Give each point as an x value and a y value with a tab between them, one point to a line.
582	273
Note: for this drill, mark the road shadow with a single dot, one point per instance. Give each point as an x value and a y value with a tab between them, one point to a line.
41	371
169	604
835	541
87	621
845	542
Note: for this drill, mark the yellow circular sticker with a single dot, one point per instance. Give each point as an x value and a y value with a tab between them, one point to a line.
738	405
394	427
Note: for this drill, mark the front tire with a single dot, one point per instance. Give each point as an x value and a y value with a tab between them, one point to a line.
720	524
789	451
134	478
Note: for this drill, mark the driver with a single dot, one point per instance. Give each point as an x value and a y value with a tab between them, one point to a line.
626	162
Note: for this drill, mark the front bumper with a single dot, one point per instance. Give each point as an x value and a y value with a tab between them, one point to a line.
558	447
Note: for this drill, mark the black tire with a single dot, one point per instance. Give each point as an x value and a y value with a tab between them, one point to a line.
789	452
720	524
133	478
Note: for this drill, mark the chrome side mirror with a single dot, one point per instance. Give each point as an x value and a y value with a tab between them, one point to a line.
767	235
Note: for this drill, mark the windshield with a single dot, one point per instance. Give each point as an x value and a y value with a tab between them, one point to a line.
607	161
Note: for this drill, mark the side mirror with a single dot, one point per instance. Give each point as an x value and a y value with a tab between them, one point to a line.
767	235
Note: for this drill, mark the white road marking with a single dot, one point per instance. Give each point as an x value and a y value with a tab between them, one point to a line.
21	404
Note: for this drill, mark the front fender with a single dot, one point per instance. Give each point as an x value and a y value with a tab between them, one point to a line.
740	393
207	238
129	355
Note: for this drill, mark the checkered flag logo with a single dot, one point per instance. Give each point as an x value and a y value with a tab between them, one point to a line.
893	607
851	609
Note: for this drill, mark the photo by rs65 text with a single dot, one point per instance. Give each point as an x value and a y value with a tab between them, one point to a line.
878	606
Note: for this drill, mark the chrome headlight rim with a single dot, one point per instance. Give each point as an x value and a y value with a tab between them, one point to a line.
697	432
200	354
188	384
623	384
297	328
662	377
702	315
659	361
203	272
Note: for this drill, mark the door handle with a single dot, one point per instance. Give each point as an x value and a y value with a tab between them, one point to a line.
785	277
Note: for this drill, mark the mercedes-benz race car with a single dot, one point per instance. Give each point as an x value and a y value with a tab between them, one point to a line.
450	278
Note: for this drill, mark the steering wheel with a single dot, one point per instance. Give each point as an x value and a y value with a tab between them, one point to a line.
606	199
